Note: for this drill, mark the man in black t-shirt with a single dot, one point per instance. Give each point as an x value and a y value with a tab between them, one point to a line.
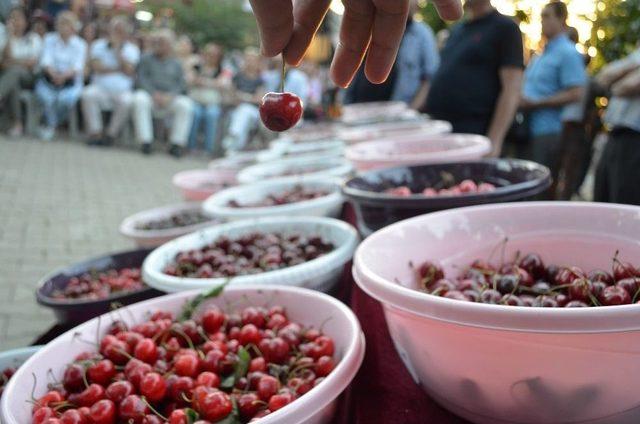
477	87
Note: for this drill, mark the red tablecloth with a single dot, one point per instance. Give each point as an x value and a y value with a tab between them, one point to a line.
383	391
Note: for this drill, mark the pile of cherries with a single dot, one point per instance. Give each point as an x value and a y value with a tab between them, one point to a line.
251	253
297	194
220	367
527	281
5	376
100	285
464	187
179	219
302	171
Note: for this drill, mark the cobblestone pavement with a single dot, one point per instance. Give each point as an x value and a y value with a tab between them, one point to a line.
61	202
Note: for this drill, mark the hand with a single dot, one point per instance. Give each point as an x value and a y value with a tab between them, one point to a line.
161	99
527	104
375	26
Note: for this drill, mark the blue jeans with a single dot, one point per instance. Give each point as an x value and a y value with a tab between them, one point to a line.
57	102
209	116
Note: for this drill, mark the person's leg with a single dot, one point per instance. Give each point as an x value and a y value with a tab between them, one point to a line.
67	99
47	95
11	83
181	109
211	118
120	113
625	163
602	183
198	113
91	104
9	79
243	119
142	120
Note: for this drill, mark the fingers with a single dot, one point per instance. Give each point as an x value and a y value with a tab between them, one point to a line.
449	10
307	17
275	24
355	35
388	27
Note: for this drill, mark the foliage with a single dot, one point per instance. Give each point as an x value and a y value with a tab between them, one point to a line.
221	21
615	29
430	17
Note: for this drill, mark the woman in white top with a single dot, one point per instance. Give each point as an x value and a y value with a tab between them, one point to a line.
19	59
62	62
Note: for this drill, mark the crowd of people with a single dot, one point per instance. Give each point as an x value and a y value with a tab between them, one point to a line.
155	81
473	75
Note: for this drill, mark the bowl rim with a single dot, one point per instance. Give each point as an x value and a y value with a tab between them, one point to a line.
409	201
337	166
179	177
547	320
128	225
339	255
380	130
214	206
332	386
54	303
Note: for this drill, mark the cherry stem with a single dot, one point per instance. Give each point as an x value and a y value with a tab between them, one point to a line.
283	75
153	409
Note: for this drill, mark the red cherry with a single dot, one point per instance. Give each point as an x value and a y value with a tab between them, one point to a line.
614	295
180	388
133	409
88	396
248	405
299	385
146	351
152	419
208	379
212	320
119	390
324	366
178	417
49	399
280	111
267	387
101	372
103	412
215	406
41	415
258	364
249	334
153	387
73	378
186	365
73	416
280	400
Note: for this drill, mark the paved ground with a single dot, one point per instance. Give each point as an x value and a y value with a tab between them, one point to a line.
61	202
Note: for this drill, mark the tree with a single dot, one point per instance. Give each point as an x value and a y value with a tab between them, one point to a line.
222	21
615	29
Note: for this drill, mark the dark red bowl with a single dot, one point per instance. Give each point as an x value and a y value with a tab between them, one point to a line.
78	311
515	180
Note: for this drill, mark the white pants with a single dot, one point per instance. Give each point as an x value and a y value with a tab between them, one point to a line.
96	99
243	120
180	110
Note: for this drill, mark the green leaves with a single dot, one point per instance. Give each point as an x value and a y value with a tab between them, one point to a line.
190	307
192	416
240	370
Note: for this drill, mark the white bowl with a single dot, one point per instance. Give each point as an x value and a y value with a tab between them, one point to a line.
417	149
302	150
504	364
335	167
322	273
330	205
16	357
154	238
305	306
394	129
198	184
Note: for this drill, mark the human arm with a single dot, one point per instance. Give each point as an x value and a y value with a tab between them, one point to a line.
628	86
506	106
375	26
429	63
144	81
615	71
561	98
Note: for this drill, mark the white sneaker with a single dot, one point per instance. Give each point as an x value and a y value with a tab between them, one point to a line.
46	133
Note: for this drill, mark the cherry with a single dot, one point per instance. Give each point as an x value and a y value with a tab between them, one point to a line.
73	416
280	111
576	304
208	379
119	390
249	334
280	400
186	365
41	415
258	364
178	416
456	295
151	419
429	273
565	276
212	361
442	286
277	321
267	387
490	296
137	373
507	283
153	387
532	263
324	366
146	351
622	270
181	387
511	300
73	378
600	275
133	409
248	405
88	396
215	406
545	301
103	412
101	372
212	320
614	295
299	385
274	350
631	285
580	289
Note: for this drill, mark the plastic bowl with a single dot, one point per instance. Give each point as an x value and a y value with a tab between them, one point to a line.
394	129
154	238
77	311
330	205
230	165
198	184
514	180
327	167
417	149
305	306
503	364
321	274
16	357
372	112
311	132
303	150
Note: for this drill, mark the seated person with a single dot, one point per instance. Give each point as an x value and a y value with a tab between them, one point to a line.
161	86
62	63
210	81
248	84
17	67
113	66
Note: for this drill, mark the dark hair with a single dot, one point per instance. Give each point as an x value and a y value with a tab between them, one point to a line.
559	9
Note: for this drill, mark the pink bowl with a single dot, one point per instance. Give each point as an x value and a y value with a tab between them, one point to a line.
417	149
393	130
198	184
503	364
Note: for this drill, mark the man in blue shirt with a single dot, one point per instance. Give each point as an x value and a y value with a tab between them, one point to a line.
551	81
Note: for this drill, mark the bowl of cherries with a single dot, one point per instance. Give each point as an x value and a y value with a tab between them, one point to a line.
198	184
383	197
515	313
299	251
294	169
153	227
276	198
272	355
92	287
10	361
